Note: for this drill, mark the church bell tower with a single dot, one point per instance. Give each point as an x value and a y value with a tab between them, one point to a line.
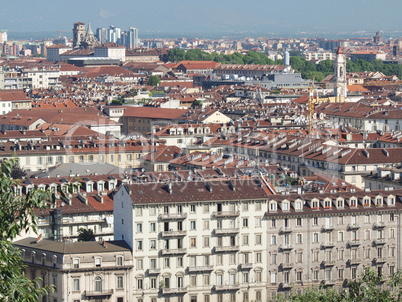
340	88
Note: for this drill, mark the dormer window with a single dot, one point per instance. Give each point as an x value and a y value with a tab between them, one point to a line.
315	205
378	202
98	262
298	206
272	206
391	201
54	261
76	263
89	188
340	203
33	255
366	202
353	203
327	204
285	206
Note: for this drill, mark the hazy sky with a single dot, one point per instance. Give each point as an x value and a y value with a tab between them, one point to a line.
205	16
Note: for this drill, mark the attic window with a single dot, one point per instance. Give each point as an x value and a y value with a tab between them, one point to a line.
140	192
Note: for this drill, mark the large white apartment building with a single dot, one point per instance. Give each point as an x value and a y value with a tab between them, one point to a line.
195	241
233	240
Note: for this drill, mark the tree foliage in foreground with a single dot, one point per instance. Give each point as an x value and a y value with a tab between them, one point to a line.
17	215
86	235
370	287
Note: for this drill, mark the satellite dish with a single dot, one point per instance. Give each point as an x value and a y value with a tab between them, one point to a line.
63	204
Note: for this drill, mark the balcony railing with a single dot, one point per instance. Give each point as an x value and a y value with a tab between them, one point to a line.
288	265
226	287
172	291
228	231
354	242
285	230
379	241
195	269
173	216
327	244
286	247
380	260
173	251
230	248
97	294
328	263
154	271
327	228
285	285
179	233
226	214
246	266
353	226
354	261
329	282
379	225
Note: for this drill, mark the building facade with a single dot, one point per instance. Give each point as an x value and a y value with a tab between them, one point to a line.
79	270
207	246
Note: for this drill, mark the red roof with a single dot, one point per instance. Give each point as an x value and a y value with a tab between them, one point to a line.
13	95
154	113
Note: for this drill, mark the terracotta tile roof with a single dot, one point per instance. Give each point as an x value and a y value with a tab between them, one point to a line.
191	191
154	113
13	95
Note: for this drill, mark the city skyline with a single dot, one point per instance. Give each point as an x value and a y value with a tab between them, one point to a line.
178	17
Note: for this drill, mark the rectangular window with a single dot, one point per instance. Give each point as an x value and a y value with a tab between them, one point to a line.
258	239
76	284
119	281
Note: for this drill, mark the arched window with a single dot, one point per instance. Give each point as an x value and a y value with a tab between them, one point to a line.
98	284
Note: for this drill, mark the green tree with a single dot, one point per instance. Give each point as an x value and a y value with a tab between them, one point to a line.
366	288
17	215
176	55
86	235
154	80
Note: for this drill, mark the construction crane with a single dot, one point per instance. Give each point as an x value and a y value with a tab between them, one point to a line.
61	31
311	103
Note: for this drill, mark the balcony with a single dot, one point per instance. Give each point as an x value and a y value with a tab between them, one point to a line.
174	291
230	231
246	266
179	233
354	226
222	249
220	288
354	261
173	251
285	285
379	225
286	247
98	294
154	271
288	265
226	214
173	216
285	230
326	245
328	282
200	269
354	242
327	263
380	260
379	241
327	228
